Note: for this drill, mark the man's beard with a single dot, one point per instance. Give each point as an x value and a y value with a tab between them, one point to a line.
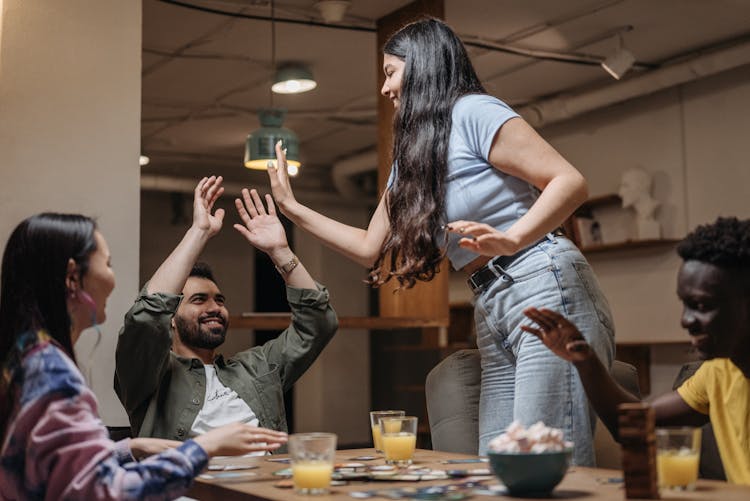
196	335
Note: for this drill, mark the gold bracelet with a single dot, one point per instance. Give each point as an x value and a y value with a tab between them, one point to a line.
287	268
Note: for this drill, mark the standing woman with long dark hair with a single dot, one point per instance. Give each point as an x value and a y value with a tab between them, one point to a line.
56	278
464	162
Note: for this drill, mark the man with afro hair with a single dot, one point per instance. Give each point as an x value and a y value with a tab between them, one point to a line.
713	284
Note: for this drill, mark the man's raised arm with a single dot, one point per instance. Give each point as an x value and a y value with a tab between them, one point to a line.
170	277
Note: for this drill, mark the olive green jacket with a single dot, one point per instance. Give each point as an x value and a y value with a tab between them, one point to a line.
162	392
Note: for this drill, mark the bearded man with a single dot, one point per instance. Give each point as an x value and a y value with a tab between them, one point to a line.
168	375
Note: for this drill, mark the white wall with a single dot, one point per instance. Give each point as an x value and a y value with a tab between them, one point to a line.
69	135
717	146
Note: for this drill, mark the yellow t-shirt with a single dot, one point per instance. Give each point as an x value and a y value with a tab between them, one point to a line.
718	388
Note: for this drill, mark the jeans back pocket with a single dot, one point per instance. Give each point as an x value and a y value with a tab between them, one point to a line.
594	292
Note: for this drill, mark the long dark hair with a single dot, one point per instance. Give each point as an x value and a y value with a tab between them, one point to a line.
32	286
437	72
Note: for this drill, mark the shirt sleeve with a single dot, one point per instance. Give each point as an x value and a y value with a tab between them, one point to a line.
69	453
477	118
143	350
694	391
314	322
123	454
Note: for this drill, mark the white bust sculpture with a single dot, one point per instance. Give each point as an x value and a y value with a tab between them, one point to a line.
635	192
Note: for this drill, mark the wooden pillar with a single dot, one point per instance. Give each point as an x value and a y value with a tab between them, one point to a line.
426	299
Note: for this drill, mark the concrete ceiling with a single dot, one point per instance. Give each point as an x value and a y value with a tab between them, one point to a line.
205	75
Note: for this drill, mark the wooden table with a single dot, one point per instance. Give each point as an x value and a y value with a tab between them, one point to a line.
589	484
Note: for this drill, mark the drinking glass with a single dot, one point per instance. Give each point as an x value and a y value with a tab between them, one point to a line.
677	457
375	426
399	438
312	461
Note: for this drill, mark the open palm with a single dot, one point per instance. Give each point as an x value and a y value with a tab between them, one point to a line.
206	193
261	228
281	187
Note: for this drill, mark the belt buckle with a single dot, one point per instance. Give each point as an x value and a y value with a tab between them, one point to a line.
475	286
499	264
479	280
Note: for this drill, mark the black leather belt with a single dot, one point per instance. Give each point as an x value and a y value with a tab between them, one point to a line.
484	276
495	267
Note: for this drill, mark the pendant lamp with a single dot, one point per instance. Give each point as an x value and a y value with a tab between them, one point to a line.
260	144
293	79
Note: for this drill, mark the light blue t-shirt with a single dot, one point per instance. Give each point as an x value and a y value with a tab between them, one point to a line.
475	190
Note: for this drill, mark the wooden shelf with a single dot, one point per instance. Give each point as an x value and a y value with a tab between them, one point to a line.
278	321
608	199
585	214
628	245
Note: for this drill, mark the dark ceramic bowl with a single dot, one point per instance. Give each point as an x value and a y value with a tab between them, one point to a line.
529	473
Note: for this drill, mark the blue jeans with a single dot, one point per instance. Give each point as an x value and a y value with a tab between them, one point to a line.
521	378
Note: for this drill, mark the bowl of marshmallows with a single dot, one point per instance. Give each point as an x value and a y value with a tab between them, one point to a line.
530	461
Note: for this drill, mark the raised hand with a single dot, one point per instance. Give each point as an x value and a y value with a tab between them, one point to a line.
209	190
262	229
484	239
281	187
170	277
558	334
237	439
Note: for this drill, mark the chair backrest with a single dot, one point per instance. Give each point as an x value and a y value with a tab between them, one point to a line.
626	376
452	393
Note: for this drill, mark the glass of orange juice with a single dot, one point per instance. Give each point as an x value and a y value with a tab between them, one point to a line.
312	461
375	426
677	457
399	438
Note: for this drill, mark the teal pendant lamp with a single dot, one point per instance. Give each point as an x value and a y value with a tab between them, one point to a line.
260	144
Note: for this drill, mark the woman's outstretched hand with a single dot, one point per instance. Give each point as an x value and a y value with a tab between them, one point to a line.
484	239
558	334
237	439
281	187
262	229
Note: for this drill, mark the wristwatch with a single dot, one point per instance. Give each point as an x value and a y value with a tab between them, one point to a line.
287	268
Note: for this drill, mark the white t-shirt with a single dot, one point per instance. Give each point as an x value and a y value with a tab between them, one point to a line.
221	406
